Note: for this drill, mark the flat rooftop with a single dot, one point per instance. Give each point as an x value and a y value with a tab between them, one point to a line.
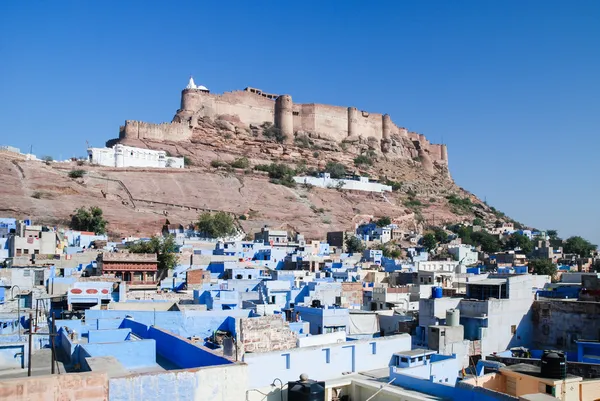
488	281
533	370
416	352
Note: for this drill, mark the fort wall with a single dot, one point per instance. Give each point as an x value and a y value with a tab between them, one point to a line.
248	107
251	106
165	131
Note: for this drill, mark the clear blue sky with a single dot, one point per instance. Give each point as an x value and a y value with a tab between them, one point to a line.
512	87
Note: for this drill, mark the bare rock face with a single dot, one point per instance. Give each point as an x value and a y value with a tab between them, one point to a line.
225	125
136	201
352	139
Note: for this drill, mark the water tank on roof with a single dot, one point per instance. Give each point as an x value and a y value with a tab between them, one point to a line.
306	390
554	365
436	292
452	317
316	303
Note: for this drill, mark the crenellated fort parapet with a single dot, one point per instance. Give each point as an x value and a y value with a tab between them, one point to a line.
253	106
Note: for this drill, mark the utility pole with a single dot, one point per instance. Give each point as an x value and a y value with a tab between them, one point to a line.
52	329
30	338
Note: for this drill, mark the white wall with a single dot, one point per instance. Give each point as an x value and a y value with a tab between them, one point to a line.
128	156
444	371
323	182
322	339
447	266
354	356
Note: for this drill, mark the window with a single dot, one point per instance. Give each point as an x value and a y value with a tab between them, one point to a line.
421	279
37	252
429	279
513	329
287	360
549	389
404	359
26	273
373	348
26	251
442	333
327	355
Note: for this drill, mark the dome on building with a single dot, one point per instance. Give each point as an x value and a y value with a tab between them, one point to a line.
202	87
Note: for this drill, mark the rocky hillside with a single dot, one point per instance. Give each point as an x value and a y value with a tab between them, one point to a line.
137	201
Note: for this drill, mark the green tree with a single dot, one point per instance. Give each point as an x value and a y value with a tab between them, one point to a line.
76	173
440	235
395	253
488	242
165	249
241	162
579	245
336	170
363	160
90	219
354	245
383	221
428	241
272	132
478	222
553	234
521	241
216	225
187	161
542	266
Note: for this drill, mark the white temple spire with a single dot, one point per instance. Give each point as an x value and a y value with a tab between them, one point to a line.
191	84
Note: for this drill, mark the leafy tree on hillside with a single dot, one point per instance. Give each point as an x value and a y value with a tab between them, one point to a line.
429	242
579	245
542	266
354	245
216	225
90	219
553	234
478	222
383	221
336	170
164	248
517	240
440	235
488	242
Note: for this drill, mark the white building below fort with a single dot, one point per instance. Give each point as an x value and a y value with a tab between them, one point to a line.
127	156
325	181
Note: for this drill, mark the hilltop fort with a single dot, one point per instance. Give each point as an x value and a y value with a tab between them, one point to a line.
253	107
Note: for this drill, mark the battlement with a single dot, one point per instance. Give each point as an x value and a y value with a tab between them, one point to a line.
260	93
173	131
254	106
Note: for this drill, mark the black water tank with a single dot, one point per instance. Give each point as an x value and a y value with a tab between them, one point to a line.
316	303
306	390
554	365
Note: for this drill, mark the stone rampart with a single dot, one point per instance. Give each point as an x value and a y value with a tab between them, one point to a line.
162	132
333	122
